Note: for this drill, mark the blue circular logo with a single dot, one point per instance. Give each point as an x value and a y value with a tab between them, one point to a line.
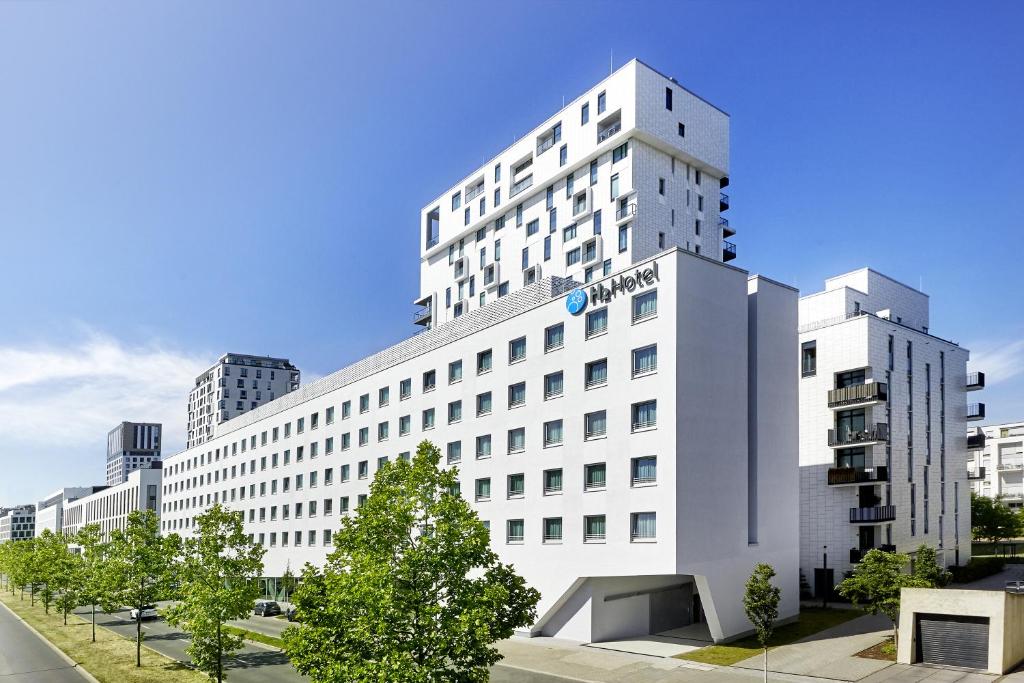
576	301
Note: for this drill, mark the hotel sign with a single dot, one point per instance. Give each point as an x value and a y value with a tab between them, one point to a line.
602	293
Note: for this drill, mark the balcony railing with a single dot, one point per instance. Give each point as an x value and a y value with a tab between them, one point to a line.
976	474
625	212
723	223
474	192
593	538
723	201
728	251
975	441
1011	464
521	185
881	513
975	381
432	241
877	432
1012	492
609	131
976	411
850	475
422	316
858	393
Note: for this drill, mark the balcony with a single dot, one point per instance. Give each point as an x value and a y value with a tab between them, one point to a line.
728	251
625	213
975	381
858	395
976	474
870	435
975	412
857	554
609	131
723	201
520	185
976	442
723	223
850	476
1010	464
423	316
873	515
1011	493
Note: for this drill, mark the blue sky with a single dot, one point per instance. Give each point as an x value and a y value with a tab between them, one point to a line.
179	180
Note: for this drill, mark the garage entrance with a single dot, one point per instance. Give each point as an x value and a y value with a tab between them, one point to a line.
952	640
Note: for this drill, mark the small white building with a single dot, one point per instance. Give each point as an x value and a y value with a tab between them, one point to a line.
50	510
17	523
109	507
883	420
996	461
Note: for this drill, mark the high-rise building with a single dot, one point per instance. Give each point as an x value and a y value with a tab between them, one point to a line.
237	383
996	459
883	413
629	437
17	523
131	446
50	510
631	167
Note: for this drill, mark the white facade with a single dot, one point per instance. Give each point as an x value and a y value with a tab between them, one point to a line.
883	415
50	510
131	446
17	523
631	167
109	507
616	543
996	461
236	383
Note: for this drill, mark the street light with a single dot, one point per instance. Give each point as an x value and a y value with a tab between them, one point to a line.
824	567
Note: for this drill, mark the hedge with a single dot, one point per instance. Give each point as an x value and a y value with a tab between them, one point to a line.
977	568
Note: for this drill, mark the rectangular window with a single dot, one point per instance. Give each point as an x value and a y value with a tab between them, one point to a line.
623	238
454	412
661	186
465	214
483	446
597	322
533	227
554	337
428	419
345	473
382	431
601	102
597	222
593	172
644	415
364	469
516	485
455	371
483	404
519	215
526	258
642	526
552	220
614	186
364	403
668	99
552	530
553	433
364	436
482	489
346	410
585	114
552	482
497	173
682	130
554	385
594	476
454	452
593	529
429	380
405	389
569	233
596	373
517	350
483	362
645	360
645	306
517	440
516	394
456	200
383	396
620	152
644	471
595	425
497	197
573	257
563	155
547	248
809	358
514	531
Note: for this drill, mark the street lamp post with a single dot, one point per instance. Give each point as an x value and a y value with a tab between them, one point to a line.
824	566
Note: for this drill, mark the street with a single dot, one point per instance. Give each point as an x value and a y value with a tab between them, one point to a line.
26	658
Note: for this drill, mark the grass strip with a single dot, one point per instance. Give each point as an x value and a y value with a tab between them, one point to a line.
111	659
256	637
812	620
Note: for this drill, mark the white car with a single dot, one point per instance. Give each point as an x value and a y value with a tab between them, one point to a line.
148	612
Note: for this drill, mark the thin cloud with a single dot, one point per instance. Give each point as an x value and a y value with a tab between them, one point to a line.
1000	361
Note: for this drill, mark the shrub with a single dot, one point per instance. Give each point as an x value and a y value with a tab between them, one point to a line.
977	568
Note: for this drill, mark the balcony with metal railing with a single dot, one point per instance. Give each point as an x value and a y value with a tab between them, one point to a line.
871	434
851	476
976	411
625	213
858	395
873	515
608	131
976	442
728	251
723	201
520	185
723	223
975	474
423	316
975	381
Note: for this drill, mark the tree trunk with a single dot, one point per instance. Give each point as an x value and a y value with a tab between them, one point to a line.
94	622
220	652
138	637
766	665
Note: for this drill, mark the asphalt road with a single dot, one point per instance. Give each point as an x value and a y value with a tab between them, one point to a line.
251	664
26	658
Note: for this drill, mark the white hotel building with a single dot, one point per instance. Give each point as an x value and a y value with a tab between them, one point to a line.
110	506
634	453
883	424
996	464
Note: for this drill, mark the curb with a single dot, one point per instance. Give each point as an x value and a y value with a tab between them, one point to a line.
63	655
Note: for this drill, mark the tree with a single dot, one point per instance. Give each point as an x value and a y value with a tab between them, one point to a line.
55	566
288	581
138	568
928	569
93	568
412	591
218	573
876	583
992	520
761	603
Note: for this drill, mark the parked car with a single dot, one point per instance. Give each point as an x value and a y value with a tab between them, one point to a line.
266	608
148	612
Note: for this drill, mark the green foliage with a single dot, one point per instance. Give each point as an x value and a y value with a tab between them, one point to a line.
218	581
412	591
288	581
93	568
928	569
137	570
761	603
977	568
876	583
992	520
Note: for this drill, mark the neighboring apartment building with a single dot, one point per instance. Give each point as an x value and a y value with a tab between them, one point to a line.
237	383
109	507
629	168
131	446
996	464
883	413
50	510
17	523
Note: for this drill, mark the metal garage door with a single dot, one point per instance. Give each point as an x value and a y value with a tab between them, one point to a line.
952	640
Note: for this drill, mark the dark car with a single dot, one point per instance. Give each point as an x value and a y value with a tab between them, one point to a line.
266	608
